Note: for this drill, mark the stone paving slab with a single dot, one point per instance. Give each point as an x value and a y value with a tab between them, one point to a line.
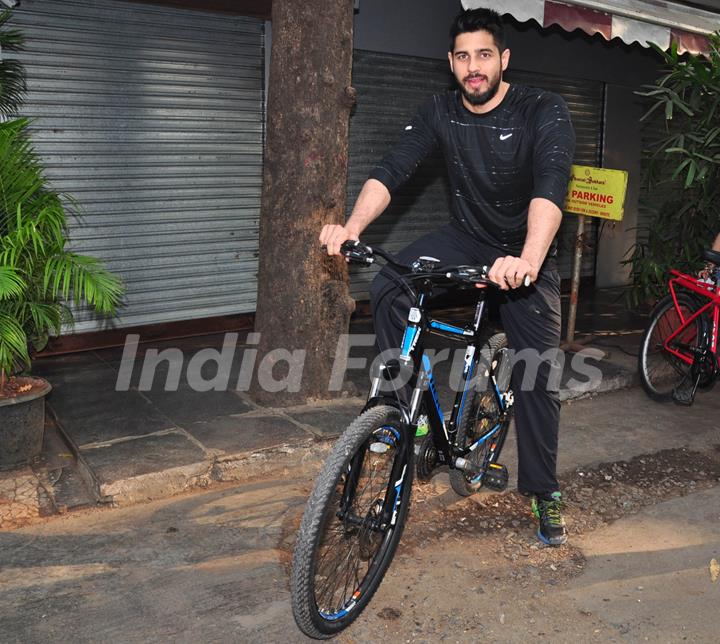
186	406
132	458
100	416
328	420
246	432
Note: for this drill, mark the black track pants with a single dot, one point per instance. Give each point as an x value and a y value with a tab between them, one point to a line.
531	318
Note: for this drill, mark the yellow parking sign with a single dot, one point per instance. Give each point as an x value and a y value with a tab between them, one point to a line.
597	192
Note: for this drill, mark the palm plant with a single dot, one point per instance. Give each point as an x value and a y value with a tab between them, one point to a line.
38	274
12	76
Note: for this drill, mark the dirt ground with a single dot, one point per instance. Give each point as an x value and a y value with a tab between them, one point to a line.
212	565
473	568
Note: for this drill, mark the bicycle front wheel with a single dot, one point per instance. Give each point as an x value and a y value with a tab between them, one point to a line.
661	371
352	523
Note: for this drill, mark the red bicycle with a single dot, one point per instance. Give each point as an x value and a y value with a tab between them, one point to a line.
679	349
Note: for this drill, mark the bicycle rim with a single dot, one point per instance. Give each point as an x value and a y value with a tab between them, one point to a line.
661	371
353	538
349	540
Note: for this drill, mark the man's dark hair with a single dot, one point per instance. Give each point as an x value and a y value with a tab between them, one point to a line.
479	20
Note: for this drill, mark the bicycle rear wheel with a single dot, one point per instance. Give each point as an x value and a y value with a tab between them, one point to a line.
483	415
660	371
352	523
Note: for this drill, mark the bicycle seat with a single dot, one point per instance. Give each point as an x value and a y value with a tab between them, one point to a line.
712	256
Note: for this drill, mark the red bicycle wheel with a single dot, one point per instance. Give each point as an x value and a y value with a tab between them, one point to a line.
660	370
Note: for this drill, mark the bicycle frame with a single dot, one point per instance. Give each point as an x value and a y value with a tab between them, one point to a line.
708	291
422	380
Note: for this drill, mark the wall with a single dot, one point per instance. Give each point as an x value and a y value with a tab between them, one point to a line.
410	27
622	150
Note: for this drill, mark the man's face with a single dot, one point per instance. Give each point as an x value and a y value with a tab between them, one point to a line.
478	65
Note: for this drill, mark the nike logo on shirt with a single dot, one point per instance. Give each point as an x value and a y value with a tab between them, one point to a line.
505	136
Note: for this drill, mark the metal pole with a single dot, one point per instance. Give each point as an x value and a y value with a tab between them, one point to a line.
575	288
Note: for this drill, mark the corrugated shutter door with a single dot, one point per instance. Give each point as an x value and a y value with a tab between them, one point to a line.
390	88
152	119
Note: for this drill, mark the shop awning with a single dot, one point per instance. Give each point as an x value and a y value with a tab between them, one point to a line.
642	21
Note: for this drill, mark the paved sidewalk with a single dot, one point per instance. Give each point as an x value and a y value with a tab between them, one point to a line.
146	442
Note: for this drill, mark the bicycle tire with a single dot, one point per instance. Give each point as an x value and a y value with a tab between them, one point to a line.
661	372
318	615
483	411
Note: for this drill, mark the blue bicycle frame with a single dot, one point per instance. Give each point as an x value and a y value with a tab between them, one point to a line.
423	387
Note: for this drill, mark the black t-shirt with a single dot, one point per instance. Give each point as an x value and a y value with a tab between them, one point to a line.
497	162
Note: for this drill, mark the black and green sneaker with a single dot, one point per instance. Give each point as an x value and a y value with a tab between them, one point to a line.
548	511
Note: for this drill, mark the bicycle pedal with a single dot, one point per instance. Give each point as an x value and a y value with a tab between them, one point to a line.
496	477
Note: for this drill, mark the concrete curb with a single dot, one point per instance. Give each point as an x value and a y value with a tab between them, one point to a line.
282	461
623	380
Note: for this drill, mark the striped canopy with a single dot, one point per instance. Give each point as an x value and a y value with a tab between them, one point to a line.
642	21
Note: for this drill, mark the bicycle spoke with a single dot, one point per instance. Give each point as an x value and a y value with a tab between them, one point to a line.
339	567
338	577
662	372
332	588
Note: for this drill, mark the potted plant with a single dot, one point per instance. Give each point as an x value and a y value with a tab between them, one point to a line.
38	274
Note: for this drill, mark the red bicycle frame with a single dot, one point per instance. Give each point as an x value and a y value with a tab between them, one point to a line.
705	290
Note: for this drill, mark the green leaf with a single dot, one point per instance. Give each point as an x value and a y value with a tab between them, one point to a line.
681	167
11	284
13	344
692	169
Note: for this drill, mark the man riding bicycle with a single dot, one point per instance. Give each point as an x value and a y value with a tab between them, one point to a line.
508	150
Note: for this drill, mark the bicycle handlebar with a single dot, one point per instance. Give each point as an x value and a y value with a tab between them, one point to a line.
423	267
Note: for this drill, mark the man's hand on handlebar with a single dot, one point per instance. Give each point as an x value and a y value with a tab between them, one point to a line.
512	272
333	235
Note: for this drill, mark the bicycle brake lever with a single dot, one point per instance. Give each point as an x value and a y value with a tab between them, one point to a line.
356	252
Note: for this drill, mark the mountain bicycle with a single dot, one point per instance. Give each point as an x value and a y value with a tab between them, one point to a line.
679	349
356	513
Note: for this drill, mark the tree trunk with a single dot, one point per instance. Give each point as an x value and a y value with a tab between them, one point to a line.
303	298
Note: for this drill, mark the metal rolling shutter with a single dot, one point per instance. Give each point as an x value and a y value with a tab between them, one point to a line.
152	119
390	87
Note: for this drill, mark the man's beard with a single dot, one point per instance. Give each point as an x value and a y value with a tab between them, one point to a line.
482	97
